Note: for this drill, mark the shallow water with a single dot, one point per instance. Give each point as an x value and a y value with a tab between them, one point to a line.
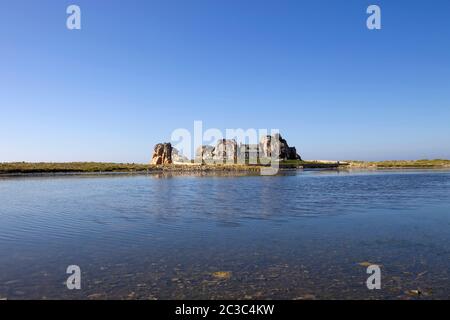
300	235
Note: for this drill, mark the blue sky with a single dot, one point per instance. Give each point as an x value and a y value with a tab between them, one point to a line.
140	69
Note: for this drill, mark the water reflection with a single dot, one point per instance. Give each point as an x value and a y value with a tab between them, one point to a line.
297	235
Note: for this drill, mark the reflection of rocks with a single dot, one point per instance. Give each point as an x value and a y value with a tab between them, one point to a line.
162	154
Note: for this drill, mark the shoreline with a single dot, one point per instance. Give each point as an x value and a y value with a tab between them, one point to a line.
23	169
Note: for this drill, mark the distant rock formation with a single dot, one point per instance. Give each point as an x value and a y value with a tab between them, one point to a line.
177	157
292	154
265	149
249	153
162	154
205	153
278	147
227	150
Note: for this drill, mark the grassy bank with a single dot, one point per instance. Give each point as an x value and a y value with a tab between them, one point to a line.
69	167
101	167
13	168
425	163
310	164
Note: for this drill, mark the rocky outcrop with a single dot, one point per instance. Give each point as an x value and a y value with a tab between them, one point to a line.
205	153
226	150
162	154
265	146
248	153
177	157
276	146
292	154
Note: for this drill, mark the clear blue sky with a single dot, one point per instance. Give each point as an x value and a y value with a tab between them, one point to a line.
140	69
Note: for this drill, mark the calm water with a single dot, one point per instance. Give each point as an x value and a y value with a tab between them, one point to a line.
300	235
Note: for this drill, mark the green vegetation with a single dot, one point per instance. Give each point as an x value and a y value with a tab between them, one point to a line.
425	163
309	164
99	167
13	168
68	167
